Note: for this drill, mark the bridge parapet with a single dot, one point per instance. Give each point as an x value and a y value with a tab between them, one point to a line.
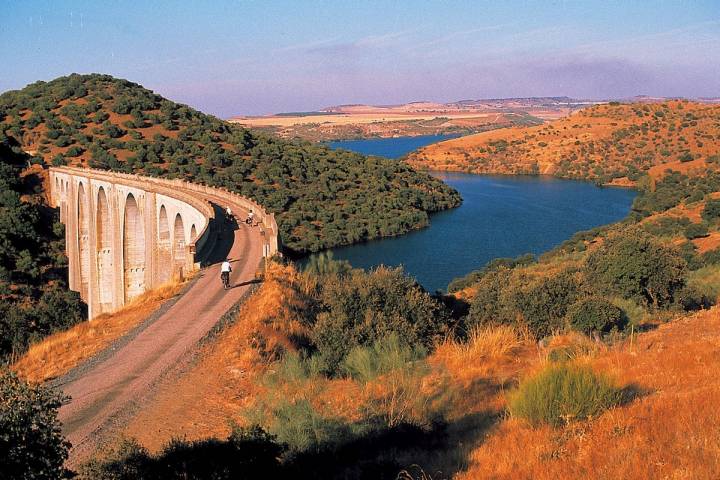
128	233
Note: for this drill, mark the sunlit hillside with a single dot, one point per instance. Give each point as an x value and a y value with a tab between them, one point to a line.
610	143
456	398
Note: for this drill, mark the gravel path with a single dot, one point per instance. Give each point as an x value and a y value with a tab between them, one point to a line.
107	389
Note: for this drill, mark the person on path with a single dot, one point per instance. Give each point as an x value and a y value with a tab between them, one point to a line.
250	218
225	270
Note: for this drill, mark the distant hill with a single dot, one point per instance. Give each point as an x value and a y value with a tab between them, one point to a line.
410	119
614	142
323	198
483	105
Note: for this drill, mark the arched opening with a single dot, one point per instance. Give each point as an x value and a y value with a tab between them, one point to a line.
164	258
84	241
133	249
178	247
104	253
193	233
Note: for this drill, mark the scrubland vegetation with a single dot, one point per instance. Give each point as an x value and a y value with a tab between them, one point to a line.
572	362
448	403
323	198
611	143
34	300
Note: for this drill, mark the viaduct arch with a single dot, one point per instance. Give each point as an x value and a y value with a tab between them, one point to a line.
126	234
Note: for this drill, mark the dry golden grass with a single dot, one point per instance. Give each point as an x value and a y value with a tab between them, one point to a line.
478	357
59	353
671	431
612	137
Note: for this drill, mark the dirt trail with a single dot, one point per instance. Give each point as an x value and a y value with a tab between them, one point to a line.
104	396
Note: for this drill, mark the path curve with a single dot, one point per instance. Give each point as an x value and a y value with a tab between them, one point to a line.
101	396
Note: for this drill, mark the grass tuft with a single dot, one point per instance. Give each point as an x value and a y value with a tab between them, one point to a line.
385	355
563	393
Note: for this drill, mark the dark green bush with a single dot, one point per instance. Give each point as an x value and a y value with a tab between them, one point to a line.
361	308
543	306
595	314
696	230
633	265
563	393
538	303
711	212
711	257
490	304
493	265
686	157
247	453
31	441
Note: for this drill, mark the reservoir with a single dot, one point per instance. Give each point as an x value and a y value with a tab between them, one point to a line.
501	216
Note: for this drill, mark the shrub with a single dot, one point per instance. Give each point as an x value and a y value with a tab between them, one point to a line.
302	428
74	151
325	264
493	265
31	442
489	304
633	311
360	308
544	305
686	157
58	161
711	212
705	282
247	453
595	314
711	257
562	393
636	266
696	230
385	355
505	297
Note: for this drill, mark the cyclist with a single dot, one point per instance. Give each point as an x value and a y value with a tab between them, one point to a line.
250	218
225	270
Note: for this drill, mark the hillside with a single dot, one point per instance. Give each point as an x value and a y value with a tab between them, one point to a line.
610	143
323	198
445	413
412	119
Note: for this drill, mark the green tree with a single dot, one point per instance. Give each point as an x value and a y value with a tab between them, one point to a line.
360	308
31	442
635	266
595	314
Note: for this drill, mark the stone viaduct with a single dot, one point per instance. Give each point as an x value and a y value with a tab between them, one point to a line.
126	234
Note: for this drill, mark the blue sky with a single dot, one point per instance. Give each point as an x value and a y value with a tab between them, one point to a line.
256	57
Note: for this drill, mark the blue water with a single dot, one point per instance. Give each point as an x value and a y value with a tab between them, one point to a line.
500	217
389	147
